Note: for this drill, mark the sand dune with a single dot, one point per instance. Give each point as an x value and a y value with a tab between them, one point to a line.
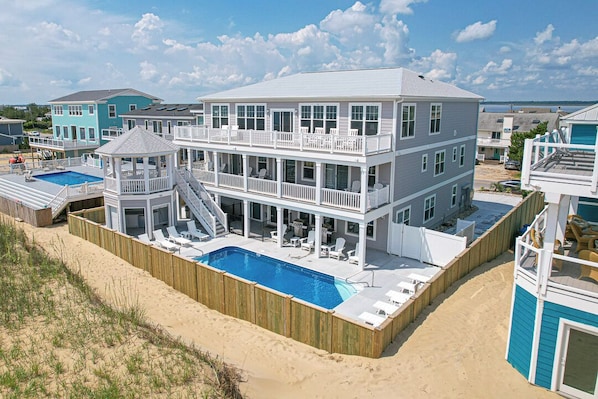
455	349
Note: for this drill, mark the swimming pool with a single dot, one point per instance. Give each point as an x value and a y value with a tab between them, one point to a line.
311	286
69	178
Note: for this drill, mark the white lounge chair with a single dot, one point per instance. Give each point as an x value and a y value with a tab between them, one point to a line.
193	231
144	238
354	255
336	251
398	298
308	243
163	242
372	319
174	236
274	233
385	308
410	288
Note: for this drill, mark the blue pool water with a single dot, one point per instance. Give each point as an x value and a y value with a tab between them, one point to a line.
311	286
68	178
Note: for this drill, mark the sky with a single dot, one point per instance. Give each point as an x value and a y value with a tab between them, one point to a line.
179	50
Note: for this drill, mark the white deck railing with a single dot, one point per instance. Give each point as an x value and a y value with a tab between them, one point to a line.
137	186
60	144
362	145
298	192
490	142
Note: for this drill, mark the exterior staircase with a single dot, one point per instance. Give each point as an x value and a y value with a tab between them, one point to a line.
201	204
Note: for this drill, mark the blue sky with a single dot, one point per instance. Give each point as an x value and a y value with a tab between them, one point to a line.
178	50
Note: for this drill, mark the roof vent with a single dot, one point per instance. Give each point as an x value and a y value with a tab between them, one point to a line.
182	109
160	109
421	77
500	120
171	109
536	121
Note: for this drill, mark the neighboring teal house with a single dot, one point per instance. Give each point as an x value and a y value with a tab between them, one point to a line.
78	119
553	332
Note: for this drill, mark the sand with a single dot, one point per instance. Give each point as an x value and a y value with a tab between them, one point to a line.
455	349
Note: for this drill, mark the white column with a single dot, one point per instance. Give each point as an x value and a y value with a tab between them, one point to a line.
146	174
245	172
279	177
117	165
318	238
279	223
246	220
216	167
364	189
189	159
318	183
362	244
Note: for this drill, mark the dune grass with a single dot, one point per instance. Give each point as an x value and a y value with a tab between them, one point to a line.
58	339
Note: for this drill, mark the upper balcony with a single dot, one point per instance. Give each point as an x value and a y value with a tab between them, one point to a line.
493	143
60	144
304	142
552	166
114	132
568	269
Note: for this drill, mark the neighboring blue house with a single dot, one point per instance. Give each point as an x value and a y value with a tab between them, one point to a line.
553	334
79	119
11	133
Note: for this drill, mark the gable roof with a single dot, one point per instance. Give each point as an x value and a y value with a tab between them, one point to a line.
92	96
586	115
522	122
387	83
137	142
167	110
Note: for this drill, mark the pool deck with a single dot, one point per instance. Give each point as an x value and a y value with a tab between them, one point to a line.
382	272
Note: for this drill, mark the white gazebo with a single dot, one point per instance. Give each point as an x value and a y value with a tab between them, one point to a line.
139	182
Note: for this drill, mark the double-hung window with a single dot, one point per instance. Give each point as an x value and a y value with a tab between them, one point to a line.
81	133
439	162
353	229
309	170
462	156
219	115
408	121
92	134
111	111
75	110
429	205
404	215
435	111
454	154
424	163
318	115
365	118
57	109
91	109
453	196
251	117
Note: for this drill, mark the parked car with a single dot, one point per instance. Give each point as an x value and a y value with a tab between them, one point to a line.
513	165
34	133
514	185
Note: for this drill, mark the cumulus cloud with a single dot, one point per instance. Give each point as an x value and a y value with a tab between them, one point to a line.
7	79
476	31
146	30
398	6
494	68
438	66
545	35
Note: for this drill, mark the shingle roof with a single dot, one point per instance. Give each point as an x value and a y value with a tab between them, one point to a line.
170	110
588	114
388	83
100	95
522	122
137	142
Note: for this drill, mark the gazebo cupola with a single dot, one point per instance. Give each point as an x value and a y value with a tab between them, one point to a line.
139	182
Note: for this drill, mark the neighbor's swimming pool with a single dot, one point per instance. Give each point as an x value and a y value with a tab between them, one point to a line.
311	286
69	178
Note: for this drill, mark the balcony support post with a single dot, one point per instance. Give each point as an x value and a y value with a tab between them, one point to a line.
279	177
318	183
245	172
246	220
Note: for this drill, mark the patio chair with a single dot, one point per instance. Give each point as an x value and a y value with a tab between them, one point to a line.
174	236
585	226
28	175
334	131
337	250
249	171
304	129
262	174
308	243
385	308
397	298
274	233
162	242
193	231
223	168
144	238
588	271
378	186
372	319
355	186
319	130
354	255
584	241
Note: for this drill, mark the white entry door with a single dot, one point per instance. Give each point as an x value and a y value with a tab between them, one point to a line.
282	120
578	366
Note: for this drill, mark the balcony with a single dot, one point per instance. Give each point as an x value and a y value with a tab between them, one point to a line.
137	184
60	144
552	166
340	199
493	143
564	278
308	142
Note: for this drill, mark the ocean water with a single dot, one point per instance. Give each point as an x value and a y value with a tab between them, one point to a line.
501	107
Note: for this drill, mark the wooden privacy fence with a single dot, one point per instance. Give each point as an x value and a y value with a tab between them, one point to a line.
284	314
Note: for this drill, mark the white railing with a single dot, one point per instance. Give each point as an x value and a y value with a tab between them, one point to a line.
92	160
379	197
362	145
71	193
299	192
342	199
137	186
540	152
60	144
262	186
112	133
488	141
228	180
